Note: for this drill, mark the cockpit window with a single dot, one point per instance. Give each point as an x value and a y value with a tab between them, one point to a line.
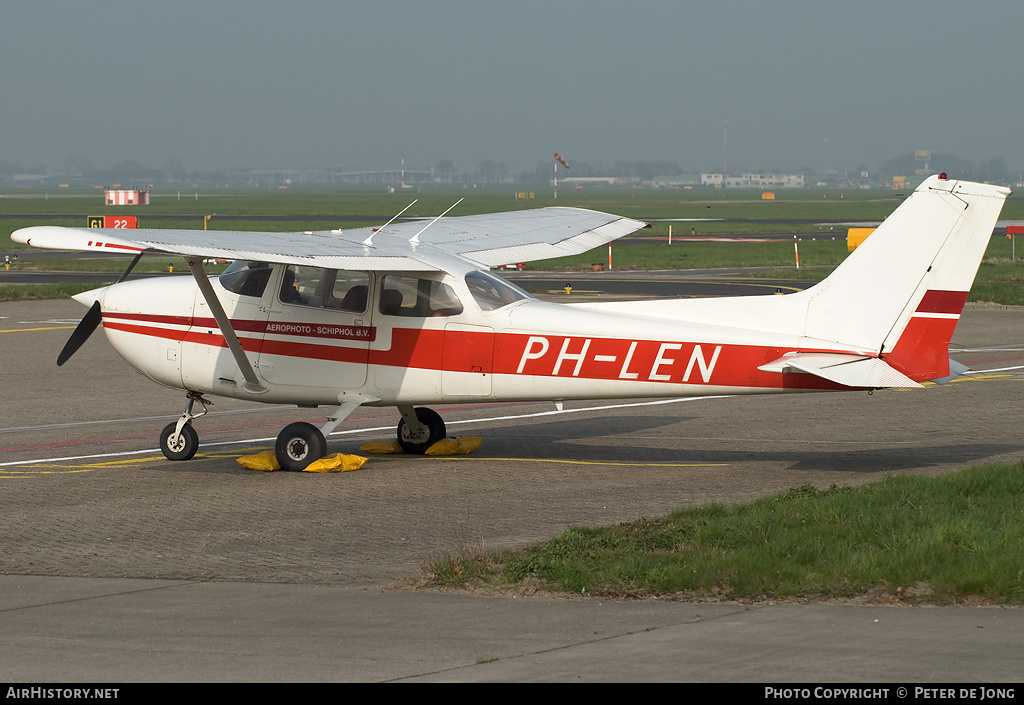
246	277
491	292
350	291
402	295
325	288
303	285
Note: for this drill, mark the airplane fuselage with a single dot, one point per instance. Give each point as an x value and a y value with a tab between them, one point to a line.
408	315
307	353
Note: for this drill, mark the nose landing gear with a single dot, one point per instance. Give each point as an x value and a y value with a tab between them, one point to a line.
178	440
179	444
302	443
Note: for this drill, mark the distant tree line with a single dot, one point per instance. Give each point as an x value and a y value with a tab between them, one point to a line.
172	173
992	170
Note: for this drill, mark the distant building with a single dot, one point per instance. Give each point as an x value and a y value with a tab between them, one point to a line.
679	181
758	181
593	180
126	197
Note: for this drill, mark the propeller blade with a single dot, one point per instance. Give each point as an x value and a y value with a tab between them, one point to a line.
90	321
85	328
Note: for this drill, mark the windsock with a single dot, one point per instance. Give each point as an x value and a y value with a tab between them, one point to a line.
561	160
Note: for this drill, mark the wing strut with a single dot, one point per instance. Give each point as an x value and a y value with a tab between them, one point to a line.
373	231
252	383
415	239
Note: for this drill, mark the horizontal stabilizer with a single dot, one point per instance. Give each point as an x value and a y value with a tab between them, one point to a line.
847	370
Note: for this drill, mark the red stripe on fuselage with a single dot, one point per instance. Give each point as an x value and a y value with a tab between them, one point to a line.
672	362
512	354
311	330
147	318
153	332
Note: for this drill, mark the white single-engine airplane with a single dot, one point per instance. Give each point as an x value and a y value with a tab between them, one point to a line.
407	314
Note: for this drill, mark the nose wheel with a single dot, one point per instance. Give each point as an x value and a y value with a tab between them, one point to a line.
178	440
179	444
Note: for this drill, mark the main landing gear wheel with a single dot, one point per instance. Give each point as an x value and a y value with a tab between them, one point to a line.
298	445
432	431
184	447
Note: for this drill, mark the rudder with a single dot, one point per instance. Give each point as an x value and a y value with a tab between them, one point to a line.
900	294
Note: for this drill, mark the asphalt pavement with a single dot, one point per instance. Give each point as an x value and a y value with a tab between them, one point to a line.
120	566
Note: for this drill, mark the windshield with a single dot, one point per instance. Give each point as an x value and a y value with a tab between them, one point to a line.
246	277
491	292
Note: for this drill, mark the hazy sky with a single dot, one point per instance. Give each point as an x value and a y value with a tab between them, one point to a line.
354	84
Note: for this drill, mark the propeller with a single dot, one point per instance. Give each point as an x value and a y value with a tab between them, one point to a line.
89	322
85	328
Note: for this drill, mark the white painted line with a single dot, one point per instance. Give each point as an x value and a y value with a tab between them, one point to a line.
957	351
997	369
391	427
72	424
588	408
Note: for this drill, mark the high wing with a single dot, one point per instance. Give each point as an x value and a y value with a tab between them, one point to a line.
486	240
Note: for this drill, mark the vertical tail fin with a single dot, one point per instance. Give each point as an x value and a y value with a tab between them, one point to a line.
897	297
900	293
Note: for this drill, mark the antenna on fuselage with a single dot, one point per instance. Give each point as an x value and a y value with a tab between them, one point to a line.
369	241
415	239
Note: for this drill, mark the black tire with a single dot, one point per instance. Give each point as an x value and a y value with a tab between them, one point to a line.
298	445
187	445
436	431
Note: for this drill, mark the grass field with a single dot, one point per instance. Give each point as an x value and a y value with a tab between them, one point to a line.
953	539
818	216
28	292
808	207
